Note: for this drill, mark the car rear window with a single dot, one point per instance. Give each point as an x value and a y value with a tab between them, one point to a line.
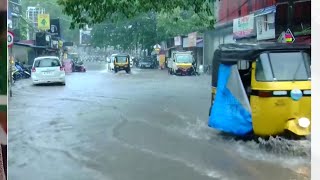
47	63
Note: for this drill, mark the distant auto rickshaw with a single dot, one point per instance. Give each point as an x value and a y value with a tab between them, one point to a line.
122	62
261	89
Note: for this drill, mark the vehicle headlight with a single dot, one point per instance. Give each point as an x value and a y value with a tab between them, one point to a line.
304	122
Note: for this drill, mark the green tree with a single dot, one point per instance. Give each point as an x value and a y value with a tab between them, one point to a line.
182	22
127	34
93	11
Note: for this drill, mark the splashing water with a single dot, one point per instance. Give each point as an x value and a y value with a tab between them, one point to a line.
281	146
197	129
292	154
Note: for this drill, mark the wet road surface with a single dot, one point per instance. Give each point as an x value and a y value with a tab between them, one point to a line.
143	126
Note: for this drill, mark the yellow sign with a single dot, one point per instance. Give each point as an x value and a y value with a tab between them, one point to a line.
43	21
60	44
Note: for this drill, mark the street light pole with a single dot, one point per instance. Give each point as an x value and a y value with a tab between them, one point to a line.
10	71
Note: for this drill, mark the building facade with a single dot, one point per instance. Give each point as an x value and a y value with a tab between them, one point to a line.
256	21
32	15
14	17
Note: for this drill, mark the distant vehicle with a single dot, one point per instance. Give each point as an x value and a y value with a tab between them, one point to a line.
48	69
146	63
73	56
78	66
122	62
182	62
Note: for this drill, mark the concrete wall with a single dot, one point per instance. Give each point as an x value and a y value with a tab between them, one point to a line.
227	10
24	54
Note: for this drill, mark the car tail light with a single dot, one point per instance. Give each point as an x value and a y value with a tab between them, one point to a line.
265	94
61	68
33	69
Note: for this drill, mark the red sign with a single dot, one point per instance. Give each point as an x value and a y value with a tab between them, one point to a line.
10	39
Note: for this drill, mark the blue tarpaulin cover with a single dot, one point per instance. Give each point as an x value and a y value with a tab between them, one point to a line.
231	111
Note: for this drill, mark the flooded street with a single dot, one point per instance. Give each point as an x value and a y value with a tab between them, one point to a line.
146	125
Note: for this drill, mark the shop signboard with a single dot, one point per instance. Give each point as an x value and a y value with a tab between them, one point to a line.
244	27
192	38
177	41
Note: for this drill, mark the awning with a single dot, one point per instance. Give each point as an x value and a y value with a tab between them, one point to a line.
167	49
29	45
264	11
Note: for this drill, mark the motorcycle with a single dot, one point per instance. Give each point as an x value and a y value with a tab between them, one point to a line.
22	65
20	72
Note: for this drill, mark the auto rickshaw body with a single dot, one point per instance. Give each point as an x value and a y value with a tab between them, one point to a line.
264	89
121	62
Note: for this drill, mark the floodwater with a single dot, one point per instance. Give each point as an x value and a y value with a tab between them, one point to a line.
139	126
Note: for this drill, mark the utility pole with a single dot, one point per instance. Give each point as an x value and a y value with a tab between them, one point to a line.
10	44
10	70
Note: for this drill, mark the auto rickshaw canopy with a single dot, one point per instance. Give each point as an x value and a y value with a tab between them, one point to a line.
234	52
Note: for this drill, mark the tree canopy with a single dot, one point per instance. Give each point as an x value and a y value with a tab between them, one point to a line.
129	34
147	29
93	12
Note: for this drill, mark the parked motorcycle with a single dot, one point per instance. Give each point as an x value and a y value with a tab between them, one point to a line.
23	67
20	72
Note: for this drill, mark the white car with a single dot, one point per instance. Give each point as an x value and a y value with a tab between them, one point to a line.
48	69
110	62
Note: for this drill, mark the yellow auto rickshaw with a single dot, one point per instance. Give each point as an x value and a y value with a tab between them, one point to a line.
262	89
122	62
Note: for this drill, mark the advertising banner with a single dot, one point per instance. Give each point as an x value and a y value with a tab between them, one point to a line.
43	21
192	38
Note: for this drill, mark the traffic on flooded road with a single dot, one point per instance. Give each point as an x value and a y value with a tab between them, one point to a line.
102	124
161	91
